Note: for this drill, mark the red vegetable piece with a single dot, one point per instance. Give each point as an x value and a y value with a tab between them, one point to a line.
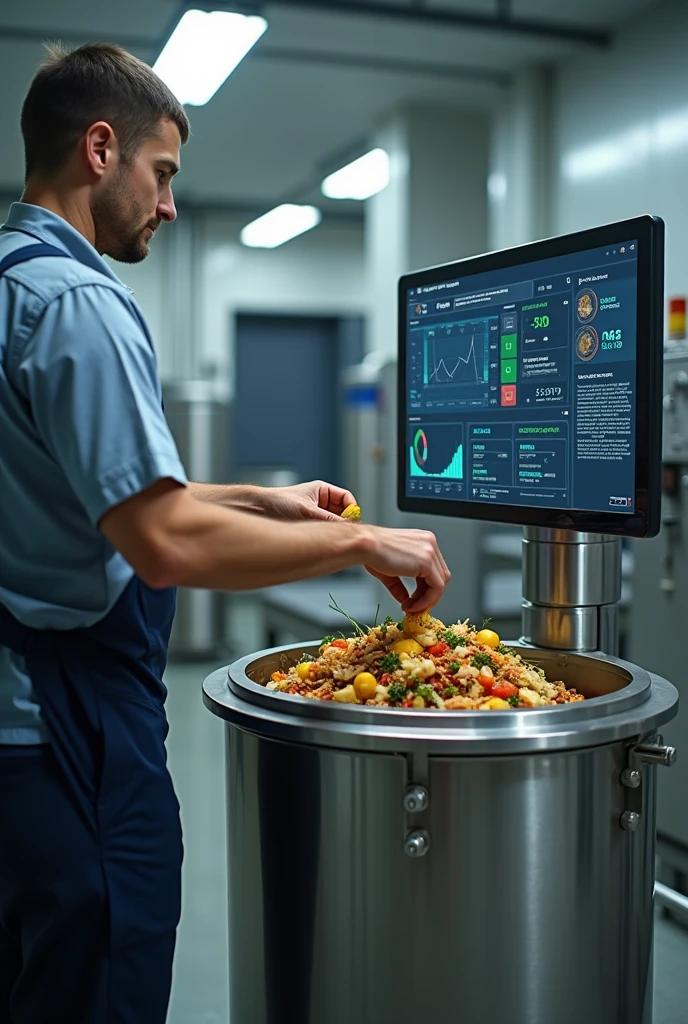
342	644
438	649
504	690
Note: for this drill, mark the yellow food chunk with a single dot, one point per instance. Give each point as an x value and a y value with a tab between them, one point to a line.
489	638
345	696
418	623
418	702
495	704
406	647
352	512
303	670
365	685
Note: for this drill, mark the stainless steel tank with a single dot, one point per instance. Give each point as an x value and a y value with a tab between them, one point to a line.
197	413
453	867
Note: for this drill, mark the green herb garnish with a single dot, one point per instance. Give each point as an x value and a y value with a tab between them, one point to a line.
478	660
451	639
486	622
397	692
326	640
400	625
503	649
425	692
335	608
450	691
514	701
454	666
390	663
384	626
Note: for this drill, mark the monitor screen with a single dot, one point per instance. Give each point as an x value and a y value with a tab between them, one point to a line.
527	380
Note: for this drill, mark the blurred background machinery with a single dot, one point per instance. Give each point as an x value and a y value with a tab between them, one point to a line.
659	607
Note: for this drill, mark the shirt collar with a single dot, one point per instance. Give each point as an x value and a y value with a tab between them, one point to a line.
49	227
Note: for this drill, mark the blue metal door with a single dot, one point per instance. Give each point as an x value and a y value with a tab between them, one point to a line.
287	402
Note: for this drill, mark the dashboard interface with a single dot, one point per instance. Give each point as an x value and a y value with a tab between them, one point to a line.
521	384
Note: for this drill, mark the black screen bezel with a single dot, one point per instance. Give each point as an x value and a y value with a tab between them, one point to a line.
645	520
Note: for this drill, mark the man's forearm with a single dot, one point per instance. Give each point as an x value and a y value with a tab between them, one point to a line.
224	549
245	497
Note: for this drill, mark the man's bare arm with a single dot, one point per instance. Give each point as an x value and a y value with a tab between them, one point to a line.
172	539
246	497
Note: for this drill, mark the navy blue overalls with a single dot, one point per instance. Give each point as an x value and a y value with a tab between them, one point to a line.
90	837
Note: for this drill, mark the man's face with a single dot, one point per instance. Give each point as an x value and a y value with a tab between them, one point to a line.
129	206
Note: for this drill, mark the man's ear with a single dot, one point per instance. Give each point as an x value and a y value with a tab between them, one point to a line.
100	147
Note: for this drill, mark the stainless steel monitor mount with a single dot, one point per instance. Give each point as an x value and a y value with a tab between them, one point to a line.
571	590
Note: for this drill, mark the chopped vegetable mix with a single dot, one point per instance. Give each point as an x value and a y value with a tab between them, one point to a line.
419	663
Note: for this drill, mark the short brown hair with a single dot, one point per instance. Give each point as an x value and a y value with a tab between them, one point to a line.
96	82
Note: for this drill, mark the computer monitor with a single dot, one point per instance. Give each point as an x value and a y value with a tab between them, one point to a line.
530	383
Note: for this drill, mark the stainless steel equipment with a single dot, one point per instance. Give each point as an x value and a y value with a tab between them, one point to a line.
660	603
571	590
198	416
395	865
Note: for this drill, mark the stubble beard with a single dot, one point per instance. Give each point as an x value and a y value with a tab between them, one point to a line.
120	222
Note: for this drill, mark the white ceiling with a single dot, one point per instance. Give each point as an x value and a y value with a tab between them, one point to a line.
312	90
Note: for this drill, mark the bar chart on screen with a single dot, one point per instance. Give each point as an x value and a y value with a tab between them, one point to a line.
436	452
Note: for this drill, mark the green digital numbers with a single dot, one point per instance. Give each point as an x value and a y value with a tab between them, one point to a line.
540	322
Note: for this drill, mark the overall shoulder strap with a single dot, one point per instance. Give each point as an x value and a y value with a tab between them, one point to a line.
28	252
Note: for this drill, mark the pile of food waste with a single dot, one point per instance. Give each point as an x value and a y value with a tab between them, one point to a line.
418	662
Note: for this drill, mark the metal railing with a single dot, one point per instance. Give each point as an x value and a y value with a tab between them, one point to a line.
672	900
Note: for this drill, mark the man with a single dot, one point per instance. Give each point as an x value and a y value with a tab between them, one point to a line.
98	524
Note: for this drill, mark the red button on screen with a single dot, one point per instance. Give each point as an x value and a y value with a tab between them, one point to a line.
508	394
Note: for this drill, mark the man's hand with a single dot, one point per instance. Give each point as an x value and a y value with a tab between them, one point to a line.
415	553
314	500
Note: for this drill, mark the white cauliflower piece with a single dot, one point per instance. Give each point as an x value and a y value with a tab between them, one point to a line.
423	668
468	672
530	697
537	683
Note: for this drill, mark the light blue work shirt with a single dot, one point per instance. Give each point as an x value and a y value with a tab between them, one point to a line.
81	430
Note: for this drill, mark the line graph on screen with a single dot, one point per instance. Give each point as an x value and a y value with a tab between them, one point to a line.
456	354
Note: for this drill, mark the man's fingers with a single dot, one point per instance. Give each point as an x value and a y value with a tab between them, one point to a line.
429	589
419	601
393	584
334	499
313	512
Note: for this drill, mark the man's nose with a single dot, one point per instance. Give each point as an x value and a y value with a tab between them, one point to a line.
166	208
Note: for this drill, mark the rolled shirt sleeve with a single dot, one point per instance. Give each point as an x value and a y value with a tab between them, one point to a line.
90	374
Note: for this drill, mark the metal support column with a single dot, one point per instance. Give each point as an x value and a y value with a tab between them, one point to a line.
571	590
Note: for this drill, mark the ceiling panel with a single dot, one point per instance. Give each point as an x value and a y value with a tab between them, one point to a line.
316	84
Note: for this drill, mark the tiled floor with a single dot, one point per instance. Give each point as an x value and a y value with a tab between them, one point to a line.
196	751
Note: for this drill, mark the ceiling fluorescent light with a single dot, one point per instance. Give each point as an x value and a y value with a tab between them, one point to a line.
203	50
280	225
360	179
